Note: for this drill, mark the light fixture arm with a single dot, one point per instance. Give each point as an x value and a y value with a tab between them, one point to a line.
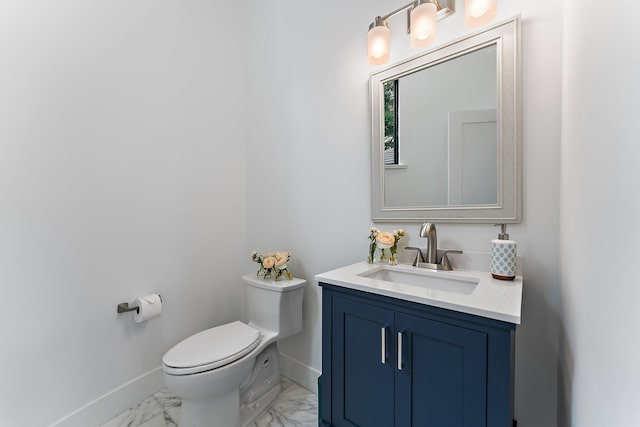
397	11
408	7
442	12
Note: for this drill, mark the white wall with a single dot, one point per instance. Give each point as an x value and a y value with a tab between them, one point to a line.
599	217
121	173
308	150
309	165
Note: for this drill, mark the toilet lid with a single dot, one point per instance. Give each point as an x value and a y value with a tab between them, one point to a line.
211	348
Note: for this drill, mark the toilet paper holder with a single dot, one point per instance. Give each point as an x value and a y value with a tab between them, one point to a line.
123	307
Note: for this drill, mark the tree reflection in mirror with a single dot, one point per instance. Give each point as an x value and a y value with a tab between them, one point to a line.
391	152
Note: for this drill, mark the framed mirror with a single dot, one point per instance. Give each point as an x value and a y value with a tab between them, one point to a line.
446	132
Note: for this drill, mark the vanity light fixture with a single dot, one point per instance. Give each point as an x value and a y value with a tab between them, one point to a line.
479	12
378	42
421	26
422	16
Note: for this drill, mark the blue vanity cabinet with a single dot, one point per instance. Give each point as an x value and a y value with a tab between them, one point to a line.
388	362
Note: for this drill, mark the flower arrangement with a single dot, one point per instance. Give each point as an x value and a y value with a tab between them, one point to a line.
384	240
272	264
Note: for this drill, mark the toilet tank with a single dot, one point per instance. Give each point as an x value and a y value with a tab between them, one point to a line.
275	306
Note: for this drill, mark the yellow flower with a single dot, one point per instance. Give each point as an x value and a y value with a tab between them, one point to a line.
282	255
269	262
385	240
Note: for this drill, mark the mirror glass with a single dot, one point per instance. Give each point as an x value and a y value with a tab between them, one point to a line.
436	141
446	132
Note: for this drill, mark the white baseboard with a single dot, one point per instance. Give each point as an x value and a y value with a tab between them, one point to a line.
114	402
133	392
300	373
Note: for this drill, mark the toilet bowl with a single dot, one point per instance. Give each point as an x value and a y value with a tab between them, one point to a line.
227	376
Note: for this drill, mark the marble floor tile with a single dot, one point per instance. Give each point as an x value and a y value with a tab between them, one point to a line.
295	406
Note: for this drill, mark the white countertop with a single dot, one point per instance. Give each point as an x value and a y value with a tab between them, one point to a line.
491	298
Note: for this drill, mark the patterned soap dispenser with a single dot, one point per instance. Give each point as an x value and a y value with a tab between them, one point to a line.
503	256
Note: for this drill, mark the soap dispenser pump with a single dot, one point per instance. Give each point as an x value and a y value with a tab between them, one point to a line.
503	256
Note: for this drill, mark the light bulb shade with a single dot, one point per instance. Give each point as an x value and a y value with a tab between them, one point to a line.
378	45
479	12
423	27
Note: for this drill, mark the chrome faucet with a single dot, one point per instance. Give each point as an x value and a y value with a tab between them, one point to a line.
430	260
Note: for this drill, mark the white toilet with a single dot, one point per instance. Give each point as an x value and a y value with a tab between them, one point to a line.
228	376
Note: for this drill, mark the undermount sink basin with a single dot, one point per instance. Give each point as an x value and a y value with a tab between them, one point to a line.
441	281
465	291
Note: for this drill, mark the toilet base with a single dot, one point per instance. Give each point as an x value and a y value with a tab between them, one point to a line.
262	386
211	398
223	411
250	413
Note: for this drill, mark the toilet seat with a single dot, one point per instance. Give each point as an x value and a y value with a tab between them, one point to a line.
211	349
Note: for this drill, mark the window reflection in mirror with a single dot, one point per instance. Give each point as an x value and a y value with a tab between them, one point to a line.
391	156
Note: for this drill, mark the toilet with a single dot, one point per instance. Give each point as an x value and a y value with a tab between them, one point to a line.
227	376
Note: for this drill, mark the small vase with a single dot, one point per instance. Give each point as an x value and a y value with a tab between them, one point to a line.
372	253
392	257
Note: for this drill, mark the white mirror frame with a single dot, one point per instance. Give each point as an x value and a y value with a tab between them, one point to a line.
506	36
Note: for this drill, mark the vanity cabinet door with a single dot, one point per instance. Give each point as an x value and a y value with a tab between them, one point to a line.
443	380
362	375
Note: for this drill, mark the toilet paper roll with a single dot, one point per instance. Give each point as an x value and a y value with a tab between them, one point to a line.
149	306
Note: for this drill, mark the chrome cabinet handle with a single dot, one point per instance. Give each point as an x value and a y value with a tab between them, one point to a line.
383	345
399	351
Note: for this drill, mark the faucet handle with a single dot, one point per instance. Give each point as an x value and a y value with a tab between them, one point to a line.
450	251
444	261
419	255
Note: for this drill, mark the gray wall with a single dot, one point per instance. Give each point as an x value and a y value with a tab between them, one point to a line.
121	129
